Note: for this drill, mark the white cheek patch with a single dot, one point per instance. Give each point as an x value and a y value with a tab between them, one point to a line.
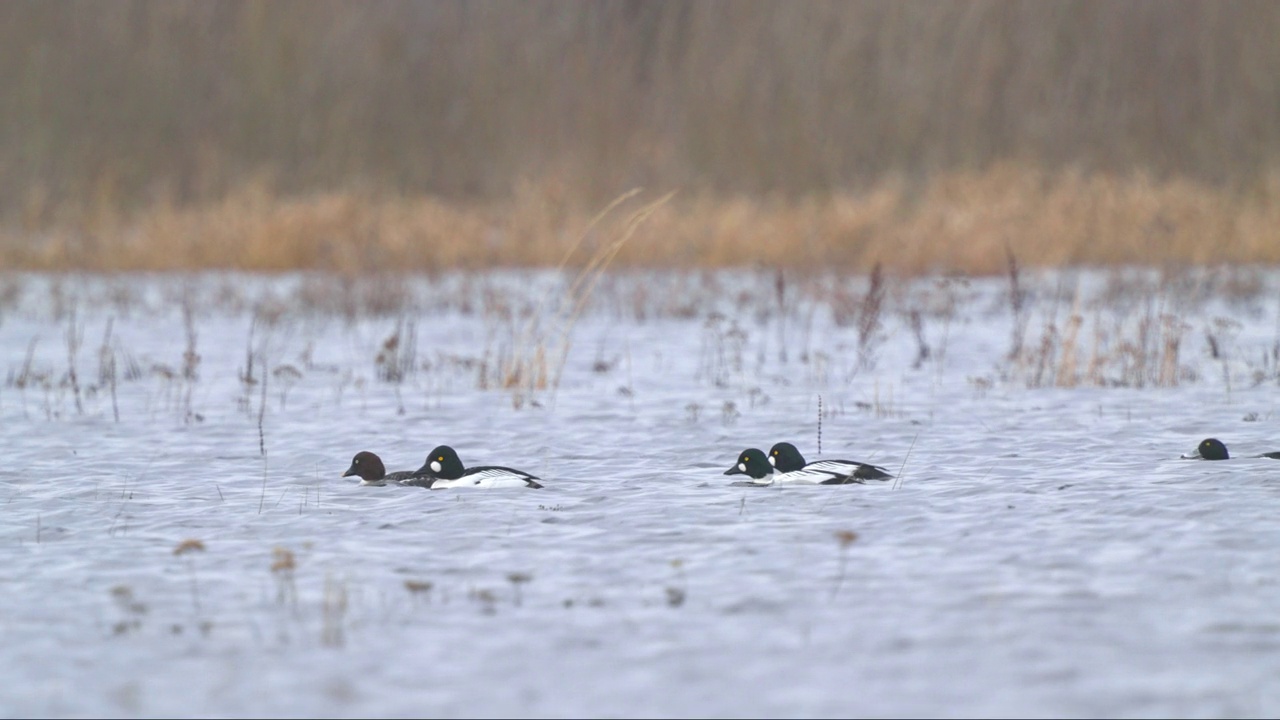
435	466
773	461
742	467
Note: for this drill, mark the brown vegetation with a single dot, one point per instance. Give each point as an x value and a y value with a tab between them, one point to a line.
420	136
960	221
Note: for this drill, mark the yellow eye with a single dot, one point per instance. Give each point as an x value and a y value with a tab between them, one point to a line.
440	459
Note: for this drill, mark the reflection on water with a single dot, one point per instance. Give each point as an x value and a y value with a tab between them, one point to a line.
179	538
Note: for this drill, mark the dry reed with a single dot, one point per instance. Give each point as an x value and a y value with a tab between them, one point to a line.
119	105
1137	348
971	222
538	354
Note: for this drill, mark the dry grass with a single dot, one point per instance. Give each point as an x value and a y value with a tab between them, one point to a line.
1138	347
960	221
121	103
542	345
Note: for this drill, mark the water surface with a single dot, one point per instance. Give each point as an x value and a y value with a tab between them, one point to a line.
1043	551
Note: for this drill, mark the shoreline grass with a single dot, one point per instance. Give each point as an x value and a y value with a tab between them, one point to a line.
961	222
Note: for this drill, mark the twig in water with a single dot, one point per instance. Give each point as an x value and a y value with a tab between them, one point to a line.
246	373
73	348
1017	303
517	579
845	538
819	424
334	612
107	367
584	284
526	369
780	291
869	318
922	347
190	358
126	496
262	411
185	547
897	483
263	497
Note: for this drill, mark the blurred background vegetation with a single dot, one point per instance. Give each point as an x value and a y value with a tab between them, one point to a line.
113	109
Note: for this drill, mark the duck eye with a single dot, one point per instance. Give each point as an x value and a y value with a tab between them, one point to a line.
440	459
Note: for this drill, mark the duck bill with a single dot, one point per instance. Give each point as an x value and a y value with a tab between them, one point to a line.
1194	455
350	471
735	470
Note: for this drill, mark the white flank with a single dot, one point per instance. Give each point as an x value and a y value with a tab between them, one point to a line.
809	475
484	479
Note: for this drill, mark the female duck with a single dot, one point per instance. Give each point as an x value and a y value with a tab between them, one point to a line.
753	464
443	469
786	458
369	468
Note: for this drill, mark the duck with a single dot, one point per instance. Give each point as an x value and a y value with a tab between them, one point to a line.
444	469
369	468
1215	449
753	463
786	458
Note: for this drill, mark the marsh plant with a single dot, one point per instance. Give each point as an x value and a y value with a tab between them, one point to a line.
187	548
1128	345
75	336
870	334
517	580
1018	299
334	613
677	592
284	565
722	350
844	539
542	341
190	360
1135	330
131	609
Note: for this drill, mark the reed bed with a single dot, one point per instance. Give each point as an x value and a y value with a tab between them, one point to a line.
1122	328
118	104
963	221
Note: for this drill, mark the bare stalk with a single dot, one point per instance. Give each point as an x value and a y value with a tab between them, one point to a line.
262	413
107	367
190	358
74	336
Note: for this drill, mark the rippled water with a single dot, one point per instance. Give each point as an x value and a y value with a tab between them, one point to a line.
1044	550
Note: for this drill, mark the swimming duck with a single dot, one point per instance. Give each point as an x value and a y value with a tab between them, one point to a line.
369	468
1214	449
786	458
753	464
443	469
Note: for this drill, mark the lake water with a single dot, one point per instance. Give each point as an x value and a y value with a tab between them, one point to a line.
186	545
